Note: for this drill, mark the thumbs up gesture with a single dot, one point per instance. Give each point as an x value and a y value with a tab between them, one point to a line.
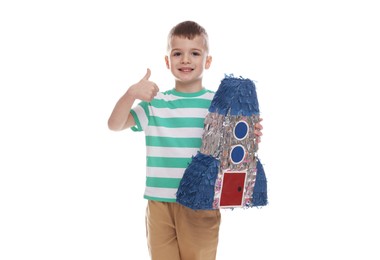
144	89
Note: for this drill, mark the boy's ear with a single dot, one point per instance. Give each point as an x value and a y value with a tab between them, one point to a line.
167	62
208	62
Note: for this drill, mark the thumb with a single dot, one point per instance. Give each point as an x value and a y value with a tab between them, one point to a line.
147	75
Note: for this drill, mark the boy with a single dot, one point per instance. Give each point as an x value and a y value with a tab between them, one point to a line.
173	126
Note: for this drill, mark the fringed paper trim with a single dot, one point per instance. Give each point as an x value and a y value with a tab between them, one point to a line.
260	195
196	189
235	96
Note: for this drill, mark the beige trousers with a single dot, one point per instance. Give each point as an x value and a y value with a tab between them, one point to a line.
175	232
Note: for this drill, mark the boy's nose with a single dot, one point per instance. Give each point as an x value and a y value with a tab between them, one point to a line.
185	59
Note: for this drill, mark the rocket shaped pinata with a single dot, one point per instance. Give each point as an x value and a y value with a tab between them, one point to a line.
226	172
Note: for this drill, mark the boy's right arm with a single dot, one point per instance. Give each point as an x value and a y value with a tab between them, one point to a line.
121	118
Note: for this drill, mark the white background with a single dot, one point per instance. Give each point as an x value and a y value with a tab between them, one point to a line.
72	189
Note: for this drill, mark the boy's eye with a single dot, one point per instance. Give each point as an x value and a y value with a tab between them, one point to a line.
176	53
196	53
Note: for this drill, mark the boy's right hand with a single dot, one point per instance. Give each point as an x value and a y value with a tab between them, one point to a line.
144	89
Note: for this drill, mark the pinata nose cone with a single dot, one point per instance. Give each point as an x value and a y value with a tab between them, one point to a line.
235	96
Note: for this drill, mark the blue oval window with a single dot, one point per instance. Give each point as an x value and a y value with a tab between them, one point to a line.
237	154
241	130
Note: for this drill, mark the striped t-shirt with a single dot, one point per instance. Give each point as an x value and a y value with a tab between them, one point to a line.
173	124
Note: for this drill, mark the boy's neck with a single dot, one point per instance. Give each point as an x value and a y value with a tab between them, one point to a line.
188	88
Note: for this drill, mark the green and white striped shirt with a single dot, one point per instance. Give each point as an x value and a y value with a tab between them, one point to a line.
173	124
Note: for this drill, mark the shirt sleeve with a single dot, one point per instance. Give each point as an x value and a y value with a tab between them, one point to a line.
140	114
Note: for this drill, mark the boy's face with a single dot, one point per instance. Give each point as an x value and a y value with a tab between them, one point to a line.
187	60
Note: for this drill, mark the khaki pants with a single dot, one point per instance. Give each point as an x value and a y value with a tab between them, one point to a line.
175	232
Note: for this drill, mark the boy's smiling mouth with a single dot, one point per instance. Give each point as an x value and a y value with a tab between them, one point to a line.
186	69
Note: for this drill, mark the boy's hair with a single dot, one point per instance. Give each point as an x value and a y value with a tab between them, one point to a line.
189	30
